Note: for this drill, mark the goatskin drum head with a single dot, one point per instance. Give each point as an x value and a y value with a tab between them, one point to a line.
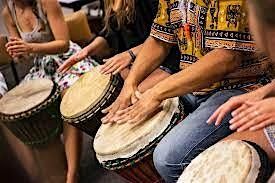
26	96
228	161
115	141
86	92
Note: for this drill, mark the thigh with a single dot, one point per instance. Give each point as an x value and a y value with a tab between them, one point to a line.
257	137
193	135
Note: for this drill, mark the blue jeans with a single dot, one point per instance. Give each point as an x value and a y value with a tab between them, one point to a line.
192	136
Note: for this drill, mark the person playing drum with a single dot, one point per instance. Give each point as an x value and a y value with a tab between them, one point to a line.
37	30
127	25
254	113
218	62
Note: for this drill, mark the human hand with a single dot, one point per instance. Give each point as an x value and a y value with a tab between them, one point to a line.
16	47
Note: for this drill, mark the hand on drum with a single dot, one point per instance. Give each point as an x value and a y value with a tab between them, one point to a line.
125	99
248	111
146	107
255	116
116	63
73	60
16	47
234	103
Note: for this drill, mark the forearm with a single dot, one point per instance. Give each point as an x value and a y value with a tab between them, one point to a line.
268	90
53	47
211	68
147	60
98	47
137	49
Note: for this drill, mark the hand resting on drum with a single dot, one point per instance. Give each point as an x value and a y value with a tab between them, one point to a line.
125	99
116	63
73	60
146	107
250	111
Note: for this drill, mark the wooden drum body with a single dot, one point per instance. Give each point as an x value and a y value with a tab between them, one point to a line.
231	162
82	104
31	111
127	148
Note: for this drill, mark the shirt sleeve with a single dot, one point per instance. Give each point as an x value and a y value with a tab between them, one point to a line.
227	26
161	28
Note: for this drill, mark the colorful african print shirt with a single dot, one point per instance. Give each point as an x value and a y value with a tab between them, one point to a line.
199	26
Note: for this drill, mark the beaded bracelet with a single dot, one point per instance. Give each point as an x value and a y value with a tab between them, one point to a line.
133	56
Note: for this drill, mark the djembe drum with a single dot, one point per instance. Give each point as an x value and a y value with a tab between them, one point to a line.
230	162
31	111
82	104
127	148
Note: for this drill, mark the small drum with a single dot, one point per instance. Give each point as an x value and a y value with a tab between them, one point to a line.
127	148
31	111
82	104
230	162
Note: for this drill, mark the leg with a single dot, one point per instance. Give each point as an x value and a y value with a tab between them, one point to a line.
73	143
257	137
192	136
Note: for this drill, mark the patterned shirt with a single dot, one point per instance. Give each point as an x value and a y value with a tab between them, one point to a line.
199	26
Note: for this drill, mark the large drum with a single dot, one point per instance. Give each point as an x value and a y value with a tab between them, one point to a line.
230	162
82	104
127	148
31	111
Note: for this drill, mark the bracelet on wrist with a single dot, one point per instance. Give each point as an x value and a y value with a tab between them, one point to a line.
133	56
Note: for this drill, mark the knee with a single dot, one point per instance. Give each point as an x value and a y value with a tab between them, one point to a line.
165	162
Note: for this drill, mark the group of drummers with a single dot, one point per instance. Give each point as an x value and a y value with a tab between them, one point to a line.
183	87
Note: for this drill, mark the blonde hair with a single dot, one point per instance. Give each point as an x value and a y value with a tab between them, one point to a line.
124	15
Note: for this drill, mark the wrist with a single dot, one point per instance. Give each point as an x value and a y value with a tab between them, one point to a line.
31	48
132	55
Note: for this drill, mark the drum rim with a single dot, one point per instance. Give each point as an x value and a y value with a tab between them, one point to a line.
95	102
55	93
121	163
114	83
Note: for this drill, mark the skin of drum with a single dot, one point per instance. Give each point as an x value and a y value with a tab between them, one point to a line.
91	121
39	125
141	168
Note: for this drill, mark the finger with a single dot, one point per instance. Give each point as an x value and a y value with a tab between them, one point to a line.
106	110
120	68
253	122
67	65
14	39
13	43
19	54
214	116
14	47
263	124
104	69
123	111
245	119
112	69
239	110
248	113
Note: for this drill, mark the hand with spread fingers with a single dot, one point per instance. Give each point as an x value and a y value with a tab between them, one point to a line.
116	63
146	107
73	60
16	47
238	104
256	116
125	99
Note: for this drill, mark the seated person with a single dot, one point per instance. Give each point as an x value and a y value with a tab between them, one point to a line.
218	61
37	28
127	25
254	113
3	85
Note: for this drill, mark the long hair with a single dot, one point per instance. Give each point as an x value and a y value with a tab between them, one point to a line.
31	3
124	15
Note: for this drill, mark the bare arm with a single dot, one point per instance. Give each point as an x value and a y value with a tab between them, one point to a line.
10	25
151	55
59	29
209	69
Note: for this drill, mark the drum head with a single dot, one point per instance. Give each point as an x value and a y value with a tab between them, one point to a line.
114	141
229	161
26	96
86	92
